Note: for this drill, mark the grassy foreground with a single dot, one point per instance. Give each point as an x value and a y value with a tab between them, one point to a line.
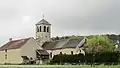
58	66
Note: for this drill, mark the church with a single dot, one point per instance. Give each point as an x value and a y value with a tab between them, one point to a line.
41	49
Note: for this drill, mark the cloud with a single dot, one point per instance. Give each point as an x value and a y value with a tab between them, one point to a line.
68	17
25	19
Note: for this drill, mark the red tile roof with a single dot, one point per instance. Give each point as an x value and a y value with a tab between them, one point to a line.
14	44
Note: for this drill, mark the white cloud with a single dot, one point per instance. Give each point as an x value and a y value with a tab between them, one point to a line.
83	17
25	19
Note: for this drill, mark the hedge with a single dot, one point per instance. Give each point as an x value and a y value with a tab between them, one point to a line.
90	58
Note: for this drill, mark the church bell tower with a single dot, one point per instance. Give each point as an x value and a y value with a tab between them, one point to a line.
43	31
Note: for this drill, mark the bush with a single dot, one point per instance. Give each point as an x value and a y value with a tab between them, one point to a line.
90	58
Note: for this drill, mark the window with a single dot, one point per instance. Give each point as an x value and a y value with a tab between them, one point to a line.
71	52
37	29
5	56
5	50
47	29
60	53
31	58
51	54
44	28
40	28
80	51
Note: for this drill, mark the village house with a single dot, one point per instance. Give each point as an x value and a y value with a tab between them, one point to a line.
15	51
42	48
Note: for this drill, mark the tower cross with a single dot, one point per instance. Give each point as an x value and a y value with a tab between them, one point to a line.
43	16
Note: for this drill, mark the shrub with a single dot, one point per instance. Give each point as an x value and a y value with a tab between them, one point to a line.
89	58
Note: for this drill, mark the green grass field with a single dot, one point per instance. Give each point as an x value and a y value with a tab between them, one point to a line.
58	66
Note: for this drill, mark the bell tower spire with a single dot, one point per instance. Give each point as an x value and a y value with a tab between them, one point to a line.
43	31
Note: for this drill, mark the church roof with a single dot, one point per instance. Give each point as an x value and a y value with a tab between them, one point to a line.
44	22
65	43
14	44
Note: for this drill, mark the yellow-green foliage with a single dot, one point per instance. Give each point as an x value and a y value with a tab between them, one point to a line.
102	42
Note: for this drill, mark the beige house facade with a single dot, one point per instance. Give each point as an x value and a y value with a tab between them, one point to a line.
15	50
29	49
12	56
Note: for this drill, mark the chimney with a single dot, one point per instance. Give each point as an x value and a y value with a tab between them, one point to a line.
10	39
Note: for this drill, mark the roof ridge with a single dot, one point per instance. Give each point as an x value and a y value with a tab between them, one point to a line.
20	39
14	44
43	21
81	42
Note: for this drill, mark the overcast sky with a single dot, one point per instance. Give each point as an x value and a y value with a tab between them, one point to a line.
68	17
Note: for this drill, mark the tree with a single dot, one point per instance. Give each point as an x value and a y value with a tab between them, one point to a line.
57	38
99	43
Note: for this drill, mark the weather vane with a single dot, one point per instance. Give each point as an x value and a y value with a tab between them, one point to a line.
43	16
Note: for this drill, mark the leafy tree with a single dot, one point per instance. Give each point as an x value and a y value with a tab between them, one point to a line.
99	43
57	38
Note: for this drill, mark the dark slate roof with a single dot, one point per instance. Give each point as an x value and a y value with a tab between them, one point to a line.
14	44
25	57
117	42
61	44
71	43
44	22
49	45
42	52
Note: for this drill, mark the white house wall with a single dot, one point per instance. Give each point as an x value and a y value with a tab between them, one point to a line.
64	51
